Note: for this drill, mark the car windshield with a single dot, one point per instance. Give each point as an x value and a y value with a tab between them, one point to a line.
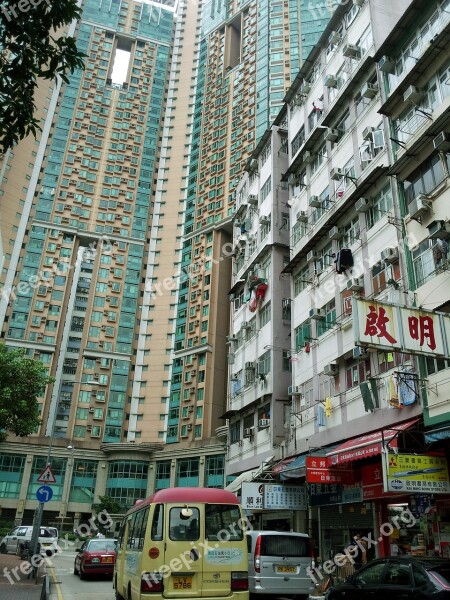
101	546
443	573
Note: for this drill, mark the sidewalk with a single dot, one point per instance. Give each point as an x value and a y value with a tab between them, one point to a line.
21	587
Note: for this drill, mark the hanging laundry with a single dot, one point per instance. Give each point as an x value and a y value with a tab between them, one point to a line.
344	260
328	407
320	416
366	397
374	392
253	304
393	393
440	250
407	388
261	291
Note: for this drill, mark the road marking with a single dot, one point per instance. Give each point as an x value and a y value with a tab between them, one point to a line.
56	583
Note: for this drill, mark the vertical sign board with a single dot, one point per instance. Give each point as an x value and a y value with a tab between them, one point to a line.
252	496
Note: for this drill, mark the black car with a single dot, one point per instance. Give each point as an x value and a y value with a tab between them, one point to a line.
395	578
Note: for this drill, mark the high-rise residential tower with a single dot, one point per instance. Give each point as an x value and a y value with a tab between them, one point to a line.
116	231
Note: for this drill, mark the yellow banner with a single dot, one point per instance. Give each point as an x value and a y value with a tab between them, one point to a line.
416	473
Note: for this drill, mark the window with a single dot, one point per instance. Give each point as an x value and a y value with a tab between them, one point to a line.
356	372
424	179
381	205
264	363
265	314
302	335
423	262
371	575
329	310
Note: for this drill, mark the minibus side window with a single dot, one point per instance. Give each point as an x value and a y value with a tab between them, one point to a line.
120	536
157	523
130	540
223	522
137	535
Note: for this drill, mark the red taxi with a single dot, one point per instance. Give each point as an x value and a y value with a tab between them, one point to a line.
95	557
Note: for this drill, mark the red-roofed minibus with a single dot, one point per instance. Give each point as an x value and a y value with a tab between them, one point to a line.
183	543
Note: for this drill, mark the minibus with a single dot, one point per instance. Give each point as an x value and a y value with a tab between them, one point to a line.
183	543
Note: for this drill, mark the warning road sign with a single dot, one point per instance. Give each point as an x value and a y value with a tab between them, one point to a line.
47	476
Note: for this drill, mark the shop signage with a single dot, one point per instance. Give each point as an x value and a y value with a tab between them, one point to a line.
319	471
391	327
416	473
285	497
252	495
372	481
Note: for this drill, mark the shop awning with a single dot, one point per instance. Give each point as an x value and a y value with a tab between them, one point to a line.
235	485
435	435
296	469
367	445
276	469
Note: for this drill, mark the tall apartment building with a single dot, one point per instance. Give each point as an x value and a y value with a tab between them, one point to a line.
132	183
368	170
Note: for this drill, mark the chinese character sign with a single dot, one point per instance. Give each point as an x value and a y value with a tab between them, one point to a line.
416	473
285	497
252	496
396	327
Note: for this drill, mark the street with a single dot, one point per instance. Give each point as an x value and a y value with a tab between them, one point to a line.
69	586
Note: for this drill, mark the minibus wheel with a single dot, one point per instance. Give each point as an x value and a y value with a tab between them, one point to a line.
129	592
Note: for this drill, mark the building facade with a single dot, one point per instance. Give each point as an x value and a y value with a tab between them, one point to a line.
115	227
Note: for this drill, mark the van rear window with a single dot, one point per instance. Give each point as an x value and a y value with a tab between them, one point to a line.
282	545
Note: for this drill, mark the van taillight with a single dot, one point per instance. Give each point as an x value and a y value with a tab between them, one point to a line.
257	559
152	582
239	581
312	553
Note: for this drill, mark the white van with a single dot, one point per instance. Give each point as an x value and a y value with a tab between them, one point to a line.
279	563
15	540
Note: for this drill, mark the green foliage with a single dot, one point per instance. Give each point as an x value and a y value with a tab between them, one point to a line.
22	380
32	48
109	505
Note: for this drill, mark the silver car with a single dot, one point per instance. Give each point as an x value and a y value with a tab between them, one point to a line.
279	563
15	540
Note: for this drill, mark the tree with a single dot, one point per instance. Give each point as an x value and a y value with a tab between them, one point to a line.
22	380
31	47
109	505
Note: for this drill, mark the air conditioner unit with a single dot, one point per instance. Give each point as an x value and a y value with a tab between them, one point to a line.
442	141
386	64
367	133
413	94
362	205
315	202
305	88
335	37
95	375
312	256
250	366
351	51
330	369
359	352
335	233
253	199
298	100
390	255
308	157
92	410
369	90
337	174
248	433
354	285
192	390
331	135
418	207
301	216
264	219
262	423
330	81
316	313
245	325
89	428
189	427
231	338
230	358
253	166
439	230
294	390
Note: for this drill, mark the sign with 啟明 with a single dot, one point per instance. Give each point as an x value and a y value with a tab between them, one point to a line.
285	497
406	329
416	473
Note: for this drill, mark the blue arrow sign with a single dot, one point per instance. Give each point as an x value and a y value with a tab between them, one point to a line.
44	493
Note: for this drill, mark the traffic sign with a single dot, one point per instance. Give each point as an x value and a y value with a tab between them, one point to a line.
47	475
44	493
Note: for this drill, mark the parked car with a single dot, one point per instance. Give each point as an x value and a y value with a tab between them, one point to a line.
391	578
19	538
95	557
278	563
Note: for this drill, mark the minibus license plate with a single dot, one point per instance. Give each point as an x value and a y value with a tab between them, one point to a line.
182	583
286	569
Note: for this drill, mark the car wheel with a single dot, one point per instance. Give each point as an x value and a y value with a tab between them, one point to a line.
75	570
3	549
82	573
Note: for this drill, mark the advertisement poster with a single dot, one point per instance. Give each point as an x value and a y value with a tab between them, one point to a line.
416	473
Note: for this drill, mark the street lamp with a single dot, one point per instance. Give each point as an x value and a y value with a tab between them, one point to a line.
38	517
